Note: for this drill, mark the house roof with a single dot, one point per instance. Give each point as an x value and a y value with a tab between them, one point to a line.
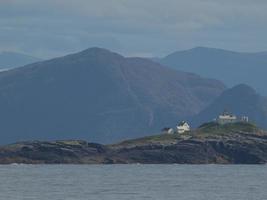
182	123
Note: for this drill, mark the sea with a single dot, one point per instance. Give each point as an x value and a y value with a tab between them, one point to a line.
133	182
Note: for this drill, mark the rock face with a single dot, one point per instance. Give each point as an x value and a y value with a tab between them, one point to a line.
212	143
97	95
52	152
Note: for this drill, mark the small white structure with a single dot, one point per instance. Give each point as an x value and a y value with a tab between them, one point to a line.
183	127
227	118
168	131
244	119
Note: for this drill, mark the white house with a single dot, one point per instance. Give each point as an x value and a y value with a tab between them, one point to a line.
226	118
183	127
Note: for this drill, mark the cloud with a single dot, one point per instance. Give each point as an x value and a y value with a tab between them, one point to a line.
153	27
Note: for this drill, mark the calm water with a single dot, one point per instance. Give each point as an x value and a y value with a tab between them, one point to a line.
115	182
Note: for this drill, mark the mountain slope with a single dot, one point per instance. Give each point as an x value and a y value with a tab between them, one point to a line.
230	67
10	60
99	96
242	100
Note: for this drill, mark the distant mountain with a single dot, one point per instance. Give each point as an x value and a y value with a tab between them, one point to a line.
99	96
11	60
242	100
230	67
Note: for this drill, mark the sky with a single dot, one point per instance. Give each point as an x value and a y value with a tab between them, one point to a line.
149	28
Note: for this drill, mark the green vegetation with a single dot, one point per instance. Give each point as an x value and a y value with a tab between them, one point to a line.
159	139
207	129
218	129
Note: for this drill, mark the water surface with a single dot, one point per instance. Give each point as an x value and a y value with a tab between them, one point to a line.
115	182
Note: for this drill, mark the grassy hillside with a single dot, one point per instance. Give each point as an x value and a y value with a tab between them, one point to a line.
217	129
205	130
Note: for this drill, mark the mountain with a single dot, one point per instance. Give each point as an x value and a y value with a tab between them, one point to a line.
239	143
10	60
99	96
230	67
241	100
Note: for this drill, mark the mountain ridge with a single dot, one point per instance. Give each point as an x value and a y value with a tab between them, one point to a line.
228	66
99	96
9	60
241	100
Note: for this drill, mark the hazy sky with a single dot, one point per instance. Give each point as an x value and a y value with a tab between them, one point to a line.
47	28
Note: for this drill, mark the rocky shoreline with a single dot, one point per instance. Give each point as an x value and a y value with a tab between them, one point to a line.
203	146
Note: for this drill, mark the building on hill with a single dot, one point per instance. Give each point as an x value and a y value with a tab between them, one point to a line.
227	117
183	127
180	128
244	119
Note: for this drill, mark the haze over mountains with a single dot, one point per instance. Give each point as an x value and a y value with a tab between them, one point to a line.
241	100
230	67
10	60
99	96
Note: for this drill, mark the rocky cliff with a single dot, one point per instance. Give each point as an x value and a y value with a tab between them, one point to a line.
210	144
